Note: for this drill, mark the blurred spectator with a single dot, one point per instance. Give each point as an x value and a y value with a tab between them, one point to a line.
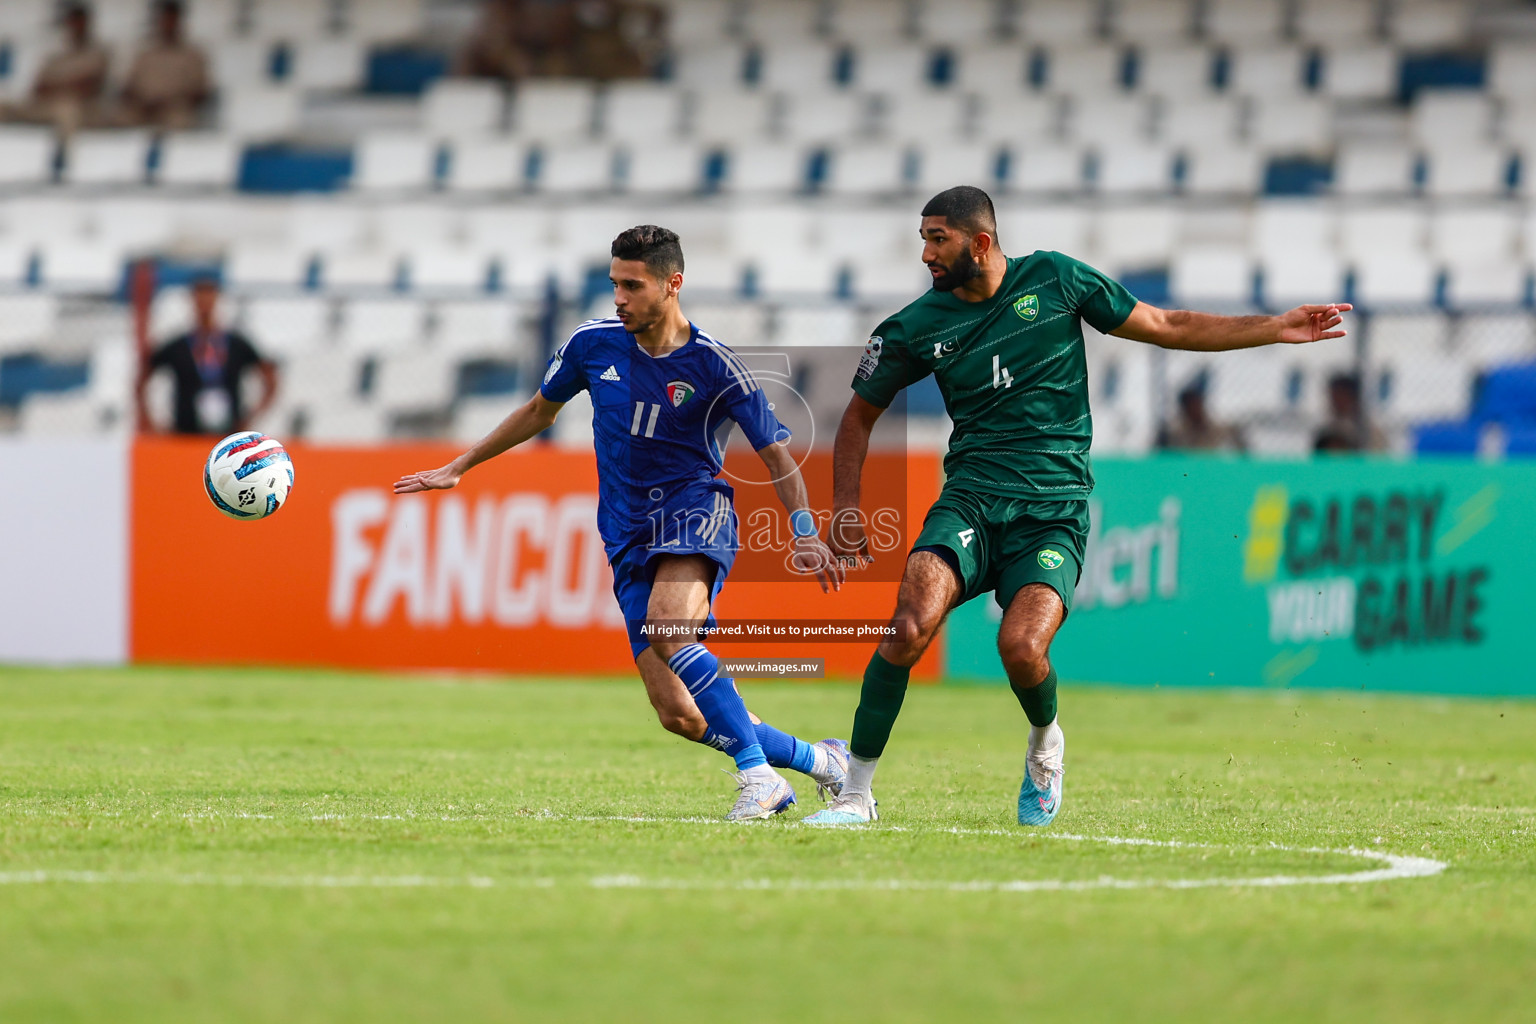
600	39
209	364
168	81
1346	429
1193	429
68	89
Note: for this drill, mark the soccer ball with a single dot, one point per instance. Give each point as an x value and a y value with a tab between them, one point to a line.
248	475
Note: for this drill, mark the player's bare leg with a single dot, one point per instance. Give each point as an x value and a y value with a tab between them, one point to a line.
929	590
1024	643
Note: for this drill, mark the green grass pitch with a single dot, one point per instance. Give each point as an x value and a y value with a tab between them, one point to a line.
282	846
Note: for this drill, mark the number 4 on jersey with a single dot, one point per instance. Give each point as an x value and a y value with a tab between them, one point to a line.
1001	378
966	536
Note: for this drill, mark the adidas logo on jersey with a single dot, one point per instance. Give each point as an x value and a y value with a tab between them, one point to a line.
610	374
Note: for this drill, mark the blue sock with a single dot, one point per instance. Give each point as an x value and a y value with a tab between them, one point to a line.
720	705
784	750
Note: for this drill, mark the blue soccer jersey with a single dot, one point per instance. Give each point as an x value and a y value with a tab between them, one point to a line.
659	428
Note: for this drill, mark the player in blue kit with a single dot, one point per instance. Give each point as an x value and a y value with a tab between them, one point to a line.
665	397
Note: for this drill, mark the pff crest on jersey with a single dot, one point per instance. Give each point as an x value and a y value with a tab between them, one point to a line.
1027	307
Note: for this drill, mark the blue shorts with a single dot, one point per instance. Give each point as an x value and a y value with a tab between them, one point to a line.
707	528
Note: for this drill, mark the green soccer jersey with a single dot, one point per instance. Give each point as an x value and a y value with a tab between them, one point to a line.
1012	371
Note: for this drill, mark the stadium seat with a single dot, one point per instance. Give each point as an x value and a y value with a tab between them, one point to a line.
15	261
1088	71
991	69
486	165
376	326
72	413
891	69
1452	437
1155	25
1384	278
26	319
1295	276
318	376
191	159
1109	121
575	168
818	327
928	117
320	225
1271	72
1520	441
290	20
1423	387
786	273
259	114
1512	70
1368	72
26	155
212	20
1448	119
241	63
413	381
797	68
1244	22
473	418
1134	237
1488	232
1428	23
400	227
699	22
1176	72
1373	169
1059	226
40	218
770	21
1133	168
1508	394
107	158
871	22
875	168
1335	21
1254	383
1469	170
287	325
959	23
709	68
475	327
642	112
941	165
446	268
392	161
1211	275
1046	168
1364	231
671	167
359	269
384	21
1120	390
79	267
1058	21
1215	169
266	264
328	64
1006	118
458	108
737	324
826	118
1211	121
1472	284
553	111
349	421
1299	125
728	117
137	223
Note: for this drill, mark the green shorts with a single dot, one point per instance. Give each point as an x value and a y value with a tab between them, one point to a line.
1002	544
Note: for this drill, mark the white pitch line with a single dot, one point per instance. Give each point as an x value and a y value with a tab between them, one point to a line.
1395	868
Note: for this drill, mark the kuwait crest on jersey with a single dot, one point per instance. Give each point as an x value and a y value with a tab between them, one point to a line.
679	391
1027	307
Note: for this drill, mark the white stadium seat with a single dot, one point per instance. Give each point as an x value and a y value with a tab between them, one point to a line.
1484	233
1202	122
1394	278
474	327
412	381
1428	23
264	264
1065	21
77	266
1300	125
1368	72
1335	21
1017	118
1365	231
797	68
991	68
1295	276
26	155
1451	118
1512	70
26	319
928	116
1270	72
703	22
1153	23
1373	168
259	113
1133	168
377	326
1110	120
1058	226
709	68
385	21
877	168
575	168
1046	168
1470	170
891	69
835	117
959	22
447	268
317	376
391	161
1217	169
1085	71
730	116
455	108
347	422
553	111
328	64
1244	21
402	227
360	269
642	112
943	165
198	158
15	261
782	20
241	63
818	327
1489	339
1175	72
1211	275
290	20
1473	283
1128	237
671	167
285	325
107	158
486	164
865	22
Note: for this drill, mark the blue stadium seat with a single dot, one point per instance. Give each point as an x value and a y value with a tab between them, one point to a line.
1446	438
1521	441
1507	394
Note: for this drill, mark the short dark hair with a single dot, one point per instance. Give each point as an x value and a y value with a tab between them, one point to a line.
965	207
661	250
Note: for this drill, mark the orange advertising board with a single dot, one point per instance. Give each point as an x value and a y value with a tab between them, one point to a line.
505	573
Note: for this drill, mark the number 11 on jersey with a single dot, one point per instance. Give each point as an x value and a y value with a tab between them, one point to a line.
650	425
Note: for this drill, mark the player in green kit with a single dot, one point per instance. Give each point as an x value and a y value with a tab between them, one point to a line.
1003	337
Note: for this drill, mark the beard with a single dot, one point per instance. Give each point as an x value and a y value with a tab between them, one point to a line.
962	270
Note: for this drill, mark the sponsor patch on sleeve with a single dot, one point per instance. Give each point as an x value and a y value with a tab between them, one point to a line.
871	357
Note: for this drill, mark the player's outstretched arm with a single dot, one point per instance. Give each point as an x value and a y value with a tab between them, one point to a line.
811	554
1207	332
533	418
846	532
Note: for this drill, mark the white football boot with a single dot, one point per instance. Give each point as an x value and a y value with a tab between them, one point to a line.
848	809
831	767
1040	792
762	793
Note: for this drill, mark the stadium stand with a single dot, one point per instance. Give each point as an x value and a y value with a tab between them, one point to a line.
376	217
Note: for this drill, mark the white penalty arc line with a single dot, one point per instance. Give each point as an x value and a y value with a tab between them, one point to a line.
1394	867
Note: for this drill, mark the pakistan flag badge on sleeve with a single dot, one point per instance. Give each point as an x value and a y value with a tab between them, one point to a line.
1027	307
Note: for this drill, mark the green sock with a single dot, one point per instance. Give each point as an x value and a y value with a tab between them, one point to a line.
879	703
1038	702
